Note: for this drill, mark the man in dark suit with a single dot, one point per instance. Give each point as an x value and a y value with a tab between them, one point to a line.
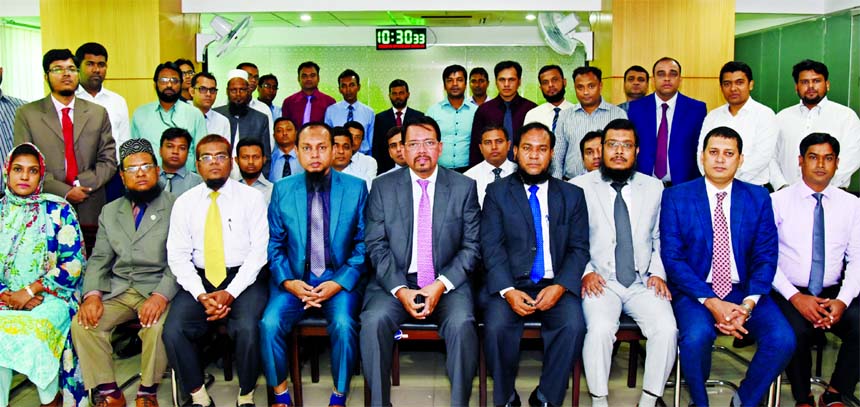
73	134
422	237
719	248
398	93
668	124
534	241
245	122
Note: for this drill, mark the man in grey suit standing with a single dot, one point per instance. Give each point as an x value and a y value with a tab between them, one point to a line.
625	273
422	238
73	134
245	121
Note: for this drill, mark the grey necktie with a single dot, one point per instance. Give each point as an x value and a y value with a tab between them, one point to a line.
317	235
169	184
816	272
625	268
497	174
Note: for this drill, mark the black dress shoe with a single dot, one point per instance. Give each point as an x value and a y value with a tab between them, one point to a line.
515	403
211	404
660	402
534	401
244	405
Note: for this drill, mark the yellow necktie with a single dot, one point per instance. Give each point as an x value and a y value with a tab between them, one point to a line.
213	244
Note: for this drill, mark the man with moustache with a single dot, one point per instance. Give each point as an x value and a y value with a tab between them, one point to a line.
625	273
253	79
308	104
92	60
345	158
398	94
250	160
363	165
635	85
174	176
534	242
591	149
267	92
454	116
149	121
204	91
495	144
317	261
394	138
216	255
127	278
350	109
244	121
186	68
552	86
74	135
479	81
285	161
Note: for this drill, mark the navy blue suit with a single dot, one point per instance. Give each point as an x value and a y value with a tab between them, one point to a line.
288	239
683	135
687	240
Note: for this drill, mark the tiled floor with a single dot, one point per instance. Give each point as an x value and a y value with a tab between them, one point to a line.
424	383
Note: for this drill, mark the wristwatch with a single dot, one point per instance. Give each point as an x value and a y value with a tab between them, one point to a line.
747	308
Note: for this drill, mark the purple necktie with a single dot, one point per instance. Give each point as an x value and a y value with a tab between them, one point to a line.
306	117
426	275
721	277
662	164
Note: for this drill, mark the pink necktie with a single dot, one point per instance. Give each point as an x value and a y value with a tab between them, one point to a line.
398	120
662	164
721	277
426	275
306	117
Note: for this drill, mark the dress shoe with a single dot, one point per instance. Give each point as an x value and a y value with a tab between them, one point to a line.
828	399
515	403
534	401
211	404
56	402
659	403
146	400
109	401
244	404
337	400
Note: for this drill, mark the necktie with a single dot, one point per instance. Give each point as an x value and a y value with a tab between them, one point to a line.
306	117
287	170
538	267
816	273
215	268
721	277
426	274
625	265
661	166
317	237
69	142
137	211
555	118
399	119
169	184
349	110
497	174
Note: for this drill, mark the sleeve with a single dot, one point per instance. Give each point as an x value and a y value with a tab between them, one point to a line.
63	280
122	132
461	265
765	250
179	249
369	131
780	282
167	286
106	161
493	244
707	125
329	120
577	253
350	272
558	166
256	218
377	240
674	247
851	282
100	262
279	262
849	156
655	267
764	147
135	130
478	124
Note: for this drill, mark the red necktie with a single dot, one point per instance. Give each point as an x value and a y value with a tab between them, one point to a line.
69	141
398	120
721	277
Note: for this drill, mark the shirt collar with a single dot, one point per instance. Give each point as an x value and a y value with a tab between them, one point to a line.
261	180
805	191
181	172
81	91
172	108
820	105
604	105
59	106
432	178
671	102
713	190
394	110
226	190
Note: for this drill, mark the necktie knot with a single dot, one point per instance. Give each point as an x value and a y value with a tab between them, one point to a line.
507	105
617	186
556	110
399	114
214	195
818	196
169	175
665	107
720	197
350	108
309	98
497	173
66	110
533	189
423	184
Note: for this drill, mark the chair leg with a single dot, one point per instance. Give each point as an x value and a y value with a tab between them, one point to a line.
395	366
174	388
819	358
296	370
677	394
633	364
577	375
482	376
315	350
227	360
366	392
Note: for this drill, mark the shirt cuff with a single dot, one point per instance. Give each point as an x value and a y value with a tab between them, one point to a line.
92	293
702	300
754	298
447	283
505	291
394	290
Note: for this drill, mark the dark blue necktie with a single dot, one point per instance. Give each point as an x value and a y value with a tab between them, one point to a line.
508	123
287	171
538	266
555	118
816	274
138	216
349	110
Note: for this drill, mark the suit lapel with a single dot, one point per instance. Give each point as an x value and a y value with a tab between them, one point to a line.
335	199
555	201
737	213
403	192
703	210
152	216
607	206
126	219
519	197
638	190
440	210
50	117
81	117
300	194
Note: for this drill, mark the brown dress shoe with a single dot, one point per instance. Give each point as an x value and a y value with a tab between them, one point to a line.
57	402
110	401
148	400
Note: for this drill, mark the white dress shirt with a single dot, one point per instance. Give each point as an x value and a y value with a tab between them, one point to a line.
796	122
544	113
217	123
117	110
756	123
670	114
264	109
245	230
483	175
362	166
542	196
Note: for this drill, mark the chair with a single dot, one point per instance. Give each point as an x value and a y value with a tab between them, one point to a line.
311	326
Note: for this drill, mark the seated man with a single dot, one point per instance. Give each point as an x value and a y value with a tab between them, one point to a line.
819	231
216	255
344	157
127	278
494	147
625	273
719	247
394	139
251	160
174	177
315	262
551	290
591	149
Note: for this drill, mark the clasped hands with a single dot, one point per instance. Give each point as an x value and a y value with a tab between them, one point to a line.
217	304
310	295
523	304
823	313
730	317
431	294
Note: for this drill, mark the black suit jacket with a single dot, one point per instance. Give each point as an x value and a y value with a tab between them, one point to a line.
508	244
254	124
383	122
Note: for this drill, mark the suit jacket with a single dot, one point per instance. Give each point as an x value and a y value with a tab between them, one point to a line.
255	125
288	229
683	135
687	238
383	122
508	243
126	258
456	227
644	222
95	150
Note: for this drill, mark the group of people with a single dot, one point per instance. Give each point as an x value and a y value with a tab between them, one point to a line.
457	216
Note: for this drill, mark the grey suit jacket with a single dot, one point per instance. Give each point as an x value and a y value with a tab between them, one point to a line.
644	222
456	227
126	258
95	150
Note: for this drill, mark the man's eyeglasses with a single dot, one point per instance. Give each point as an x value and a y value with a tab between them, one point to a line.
209	158
172	81
135	168
59	71
415	145
188	73
204	90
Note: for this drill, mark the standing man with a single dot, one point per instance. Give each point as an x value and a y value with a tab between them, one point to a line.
667	147
253	79
350	109
8	106
92	60
346	160
245	122
810	286
267	94
455	117
552	86
204	91
591	113
718	243
285	161
508	108
591	148
149	121
395	149
479	81
635	85
755	122
816	114
217	262
250	160
632	281
186	68
398	94
127	278
316	261
79	158
422	262
534	267
495	144
308	104
175	177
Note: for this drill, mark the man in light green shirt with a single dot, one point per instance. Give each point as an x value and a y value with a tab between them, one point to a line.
152	119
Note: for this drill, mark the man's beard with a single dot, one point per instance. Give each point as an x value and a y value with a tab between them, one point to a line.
216	183
64	93
399	105
558	97
530	179
250	175
238	109
315	177
143	197
167	98
812	101
609	174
